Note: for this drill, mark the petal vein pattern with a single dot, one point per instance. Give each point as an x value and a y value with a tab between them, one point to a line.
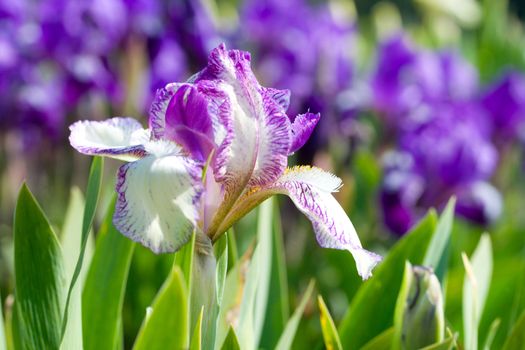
158	201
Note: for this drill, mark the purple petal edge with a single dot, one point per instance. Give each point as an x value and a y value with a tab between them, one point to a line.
302	128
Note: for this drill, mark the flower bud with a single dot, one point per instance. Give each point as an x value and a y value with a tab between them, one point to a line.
420	308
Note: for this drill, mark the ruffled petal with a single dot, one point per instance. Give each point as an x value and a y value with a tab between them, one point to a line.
120	138
157	111
302	128
158	200
311	191
281	97
259	129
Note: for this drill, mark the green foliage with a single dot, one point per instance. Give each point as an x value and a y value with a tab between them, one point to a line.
92	197
372	309
286	339
475	290
231	342
39	277
516	339
103	293
330	335
166	325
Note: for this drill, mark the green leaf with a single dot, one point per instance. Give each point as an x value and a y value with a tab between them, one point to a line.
437	252
71	238
475	289
278	308
221	253
447	344
330	336
231	342
184	259
167	325
381	341
516	339
196	338
103	293
286	340
39	276
92	197
255	298
494	326
371	310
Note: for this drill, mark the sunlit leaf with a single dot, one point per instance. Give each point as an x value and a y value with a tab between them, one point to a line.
39	276
371	310
167	325
196	338
491	334
330	336
71	238
231	342
92	197
255	297
381	341
103	293
476	285
286	339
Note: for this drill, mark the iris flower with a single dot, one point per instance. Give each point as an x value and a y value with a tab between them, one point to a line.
216	147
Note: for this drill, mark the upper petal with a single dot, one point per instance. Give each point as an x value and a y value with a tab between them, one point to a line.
120	138
302	128
158	201
259	128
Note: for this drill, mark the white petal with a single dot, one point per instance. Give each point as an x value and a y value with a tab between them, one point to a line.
120	138
310	190
158	201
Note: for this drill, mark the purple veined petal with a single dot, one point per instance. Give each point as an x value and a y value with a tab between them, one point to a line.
158	200
120	138
302	128
188	122
311	191
281	97
259	131
157	111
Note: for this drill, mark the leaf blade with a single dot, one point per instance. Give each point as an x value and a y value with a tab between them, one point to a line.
330	335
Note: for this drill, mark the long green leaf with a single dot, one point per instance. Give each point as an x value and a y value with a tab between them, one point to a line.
494	326
221	253
39	276
167	325
330	335
92	197
255	298
71	237
516	339
278	309
286	340
475	289
231	342
437	252
371	310
103	293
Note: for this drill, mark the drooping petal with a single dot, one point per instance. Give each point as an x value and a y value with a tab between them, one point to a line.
302	128
120	138
311	191
158	199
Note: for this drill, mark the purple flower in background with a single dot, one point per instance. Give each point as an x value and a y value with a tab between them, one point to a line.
224	118
307	49
505	104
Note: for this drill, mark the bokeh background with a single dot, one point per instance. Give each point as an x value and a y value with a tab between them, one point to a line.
420	100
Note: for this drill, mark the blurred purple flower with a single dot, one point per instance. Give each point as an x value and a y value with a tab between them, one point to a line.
505	104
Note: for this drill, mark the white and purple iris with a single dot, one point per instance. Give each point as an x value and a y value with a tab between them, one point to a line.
216	147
